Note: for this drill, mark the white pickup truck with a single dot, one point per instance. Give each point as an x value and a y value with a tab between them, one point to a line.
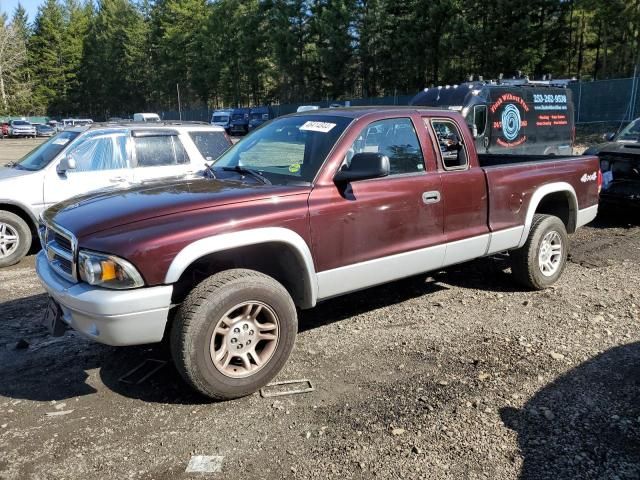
82	160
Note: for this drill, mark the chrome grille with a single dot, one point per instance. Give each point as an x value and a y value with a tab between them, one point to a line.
61	249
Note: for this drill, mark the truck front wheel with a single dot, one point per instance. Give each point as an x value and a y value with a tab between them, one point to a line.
233	333
542	259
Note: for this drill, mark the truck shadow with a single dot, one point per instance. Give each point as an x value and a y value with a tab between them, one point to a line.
70	366
347	306
586	424
616	217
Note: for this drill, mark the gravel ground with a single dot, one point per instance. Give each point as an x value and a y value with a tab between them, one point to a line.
457	375
14	148
460	374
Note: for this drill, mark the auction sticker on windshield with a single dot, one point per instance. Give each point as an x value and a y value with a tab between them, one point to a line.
60	141
322	127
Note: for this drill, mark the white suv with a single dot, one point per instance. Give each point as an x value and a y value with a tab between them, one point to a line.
82	160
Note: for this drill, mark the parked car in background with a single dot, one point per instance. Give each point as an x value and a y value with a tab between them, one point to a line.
510	116
57	126
259	115
222	118
21	128
146	117
43	130
81	160
620	166
308	207
240	121
307	108
76	122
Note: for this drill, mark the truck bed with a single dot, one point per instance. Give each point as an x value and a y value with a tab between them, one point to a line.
496	160
512	186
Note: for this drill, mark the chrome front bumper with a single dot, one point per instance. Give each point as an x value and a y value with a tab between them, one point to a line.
112	317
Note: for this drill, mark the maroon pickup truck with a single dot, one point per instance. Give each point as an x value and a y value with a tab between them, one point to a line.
305	208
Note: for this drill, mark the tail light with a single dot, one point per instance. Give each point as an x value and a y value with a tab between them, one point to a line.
599	181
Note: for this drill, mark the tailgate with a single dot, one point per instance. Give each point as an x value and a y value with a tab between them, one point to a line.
517	190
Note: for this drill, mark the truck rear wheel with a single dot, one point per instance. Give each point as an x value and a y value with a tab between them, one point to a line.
233	333
542	259
15	238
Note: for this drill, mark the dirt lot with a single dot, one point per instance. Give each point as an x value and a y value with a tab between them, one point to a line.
14	148
460	374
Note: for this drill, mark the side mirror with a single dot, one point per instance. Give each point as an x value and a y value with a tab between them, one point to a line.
474	131
364	166
67	163
608	137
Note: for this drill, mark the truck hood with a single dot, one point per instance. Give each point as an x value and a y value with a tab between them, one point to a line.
89	214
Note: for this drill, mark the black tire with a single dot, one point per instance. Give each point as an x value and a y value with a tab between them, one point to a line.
17	224
525	261
197	317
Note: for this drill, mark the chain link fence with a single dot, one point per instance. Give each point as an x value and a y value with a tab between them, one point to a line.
601	102
606	101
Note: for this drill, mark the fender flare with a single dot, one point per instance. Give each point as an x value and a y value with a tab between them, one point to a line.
243	238
536	198
22	207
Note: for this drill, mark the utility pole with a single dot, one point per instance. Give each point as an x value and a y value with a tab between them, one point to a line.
634	93
179	106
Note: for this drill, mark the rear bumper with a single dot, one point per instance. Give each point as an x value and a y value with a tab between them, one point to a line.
112	317
586	215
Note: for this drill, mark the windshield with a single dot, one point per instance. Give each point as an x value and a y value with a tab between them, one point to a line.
256	116
42	155
20	123
210	144
631	132
288	149
221	118
237	116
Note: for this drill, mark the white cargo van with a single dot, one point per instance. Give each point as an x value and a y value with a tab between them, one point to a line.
146	117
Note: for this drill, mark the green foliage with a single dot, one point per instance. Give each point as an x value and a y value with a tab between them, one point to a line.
120	56
46	56
115	70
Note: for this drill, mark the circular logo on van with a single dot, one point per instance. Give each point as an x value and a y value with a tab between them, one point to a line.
510	114
511	122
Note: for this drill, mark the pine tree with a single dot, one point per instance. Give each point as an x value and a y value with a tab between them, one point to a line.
46	57
178	45
115	70
13	56
77	20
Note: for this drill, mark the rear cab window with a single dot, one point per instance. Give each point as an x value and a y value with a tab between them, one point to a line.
159	150
210	144
450	144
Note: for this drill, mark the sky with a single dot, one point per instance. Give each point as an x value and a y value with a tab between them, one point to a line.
31	6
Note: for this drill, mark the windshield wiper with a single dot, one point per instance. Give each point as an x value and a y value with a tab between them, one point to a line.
10	164
248	171
212	172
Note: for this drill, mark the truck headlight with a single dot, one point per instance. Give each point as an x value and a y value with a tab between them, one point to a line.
107	271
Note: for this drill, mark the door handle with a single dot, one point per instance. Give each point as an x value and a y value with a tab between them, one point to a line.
431	197
117	180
